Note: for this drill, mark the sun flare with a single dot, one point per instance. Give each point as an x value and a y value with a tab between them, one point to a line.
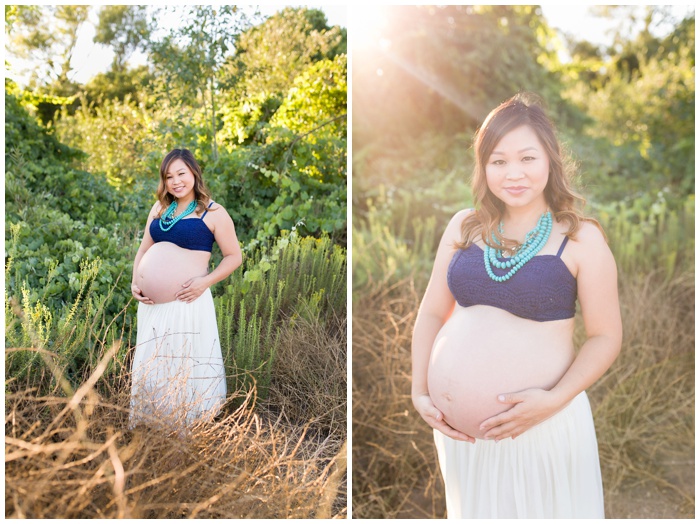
367	21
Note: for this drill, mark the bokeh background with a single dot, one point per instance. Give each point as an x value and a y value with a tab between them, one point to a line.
423	78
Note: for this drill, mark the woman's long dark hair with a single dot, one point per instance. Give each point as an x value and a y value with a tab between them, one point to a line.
523	109
201	193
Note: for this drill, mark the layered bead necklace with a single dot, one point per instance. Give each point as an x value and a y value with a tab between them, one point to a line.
168	219
534	242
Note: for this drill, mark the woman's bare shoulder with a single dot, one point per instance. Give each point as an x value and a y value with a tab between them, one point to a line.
462	214
590	236
453	231
218	213
590	248
155	209
213	205
458	218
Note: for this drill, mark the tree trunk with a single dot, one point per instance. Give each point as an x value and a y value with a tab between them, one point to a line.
214	152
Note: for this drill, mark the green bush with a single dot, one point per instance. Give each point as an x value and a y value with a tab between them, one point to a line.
296	278
651	232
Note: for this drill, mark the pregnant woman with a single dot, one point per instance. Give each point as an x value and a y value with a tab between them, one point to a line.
495	370
178	372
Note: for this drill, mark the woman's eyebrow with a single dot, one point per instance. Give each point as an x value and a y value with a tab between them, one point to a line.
529	148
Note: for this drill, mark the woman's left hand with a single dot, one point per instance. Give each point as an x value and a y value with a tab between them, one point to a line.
532	406
192	289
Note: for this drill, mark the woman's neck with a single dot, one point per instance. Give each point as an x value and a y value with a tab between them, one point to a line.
518	221
184	202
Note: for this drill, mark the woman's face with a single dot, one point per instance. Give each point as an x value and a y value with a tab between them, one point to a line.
518	169
179	180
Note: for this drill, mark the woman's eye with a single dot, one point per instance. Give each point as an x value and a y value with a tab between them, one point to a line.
498	162
528	158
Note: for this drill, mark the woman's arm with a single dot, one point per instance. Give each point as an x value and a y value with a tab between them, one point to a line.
597	292
225	236
146	243
436	307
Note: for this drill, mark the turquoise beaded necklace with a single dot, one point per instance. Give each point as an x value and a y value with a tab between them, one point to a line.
168	219
534	242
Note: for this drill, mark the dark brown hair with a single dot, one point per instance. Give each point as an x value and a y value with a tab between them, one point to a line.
524	109
201	193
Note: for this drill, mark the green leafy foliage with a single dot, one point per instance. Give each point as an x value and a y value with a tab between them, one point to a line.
62	224
74	214
269	60
653	225
295	278
645	113
123	140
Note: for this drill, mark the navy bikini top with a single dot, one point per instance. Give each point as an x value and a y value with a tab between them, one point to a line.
188	233
543	289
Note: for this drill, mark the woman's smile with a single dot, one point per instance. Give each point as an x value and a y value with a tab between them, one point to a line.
516	190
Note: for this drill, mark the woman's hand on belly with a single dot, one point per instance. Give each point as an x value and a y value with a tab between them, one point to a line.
192	289
136	292
532	406
435	419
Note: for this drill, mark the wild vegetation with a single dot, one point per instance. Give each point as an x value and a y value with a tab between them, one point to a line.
81	173
625	117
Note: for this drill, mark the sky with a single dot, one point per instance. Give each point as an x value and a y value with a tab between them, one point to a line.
90	58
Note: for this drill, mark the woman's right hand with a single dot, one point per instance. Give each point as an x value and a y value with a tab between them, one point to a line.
435	419
136	292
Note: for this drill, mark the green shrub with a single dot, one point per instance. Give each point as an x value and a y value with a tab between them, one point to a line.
297	278
651	232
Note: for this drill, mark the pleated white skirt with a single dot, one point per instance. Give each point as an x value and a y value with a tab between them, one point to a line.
178	372
550	471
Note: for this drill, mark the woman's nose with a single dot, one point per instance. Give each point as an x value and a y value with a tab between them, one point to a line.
515	173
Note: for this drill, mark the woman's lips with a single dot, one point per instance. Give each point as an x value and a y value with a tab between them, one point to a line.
516	190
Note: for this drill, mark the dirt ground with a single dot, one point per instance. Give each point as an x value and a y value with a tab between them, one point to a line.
647	500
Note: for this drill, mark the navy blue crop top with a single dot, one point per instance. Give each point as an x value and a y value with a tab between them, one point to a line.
188	233
543	289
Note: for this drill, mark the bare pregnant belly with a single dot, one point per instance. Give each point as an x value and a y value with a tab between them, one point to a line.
165	267
482	352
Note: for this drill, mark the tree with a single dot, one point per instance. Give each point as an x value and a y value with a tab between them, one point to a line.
643	108
47	35
125	28
190	56
268	58
271	55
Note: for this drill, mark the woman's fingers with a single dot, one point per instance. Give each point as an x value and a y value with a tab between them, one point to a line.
435	420
448	430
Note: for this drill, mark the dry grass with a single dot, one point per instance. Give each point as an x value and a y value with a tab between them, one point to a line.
643	407
310	385
74	456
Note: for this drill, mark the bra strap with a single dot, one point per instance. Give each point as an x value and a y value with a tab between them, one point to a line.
207	211
563	245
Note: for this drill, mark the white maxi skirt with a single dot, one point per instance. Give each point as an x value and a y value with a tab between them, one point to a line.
550	471
178	373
